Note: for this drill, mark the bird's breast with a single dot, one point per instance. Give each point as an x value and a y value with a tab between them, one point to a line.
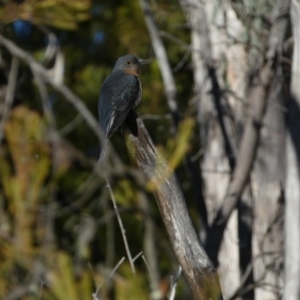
139	96
131	71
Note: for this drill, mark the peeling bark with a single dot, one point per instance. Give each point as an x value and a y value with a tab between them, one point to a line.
292	185
198	269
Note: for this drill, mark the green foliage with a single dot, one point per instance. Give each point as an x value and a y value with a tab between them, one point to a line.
43	206
131	286
174	151
91	78
125	192
62	14
64	284
23	180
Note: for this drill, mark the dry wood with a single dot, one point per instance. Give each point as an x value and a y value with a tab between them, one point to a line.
250	140
292	184
171	94
198	269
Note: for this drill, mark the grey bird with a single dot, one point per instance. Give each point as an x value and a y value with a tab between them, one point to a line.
120	94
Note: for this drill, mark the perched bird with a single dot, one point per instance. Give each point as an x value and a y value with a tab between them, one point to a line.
120	94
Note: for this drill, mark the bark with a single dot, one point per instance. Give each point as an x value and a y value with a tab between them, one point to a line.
245	161
267	177
245	231
205	19
198	269
249	143
171	94
292	185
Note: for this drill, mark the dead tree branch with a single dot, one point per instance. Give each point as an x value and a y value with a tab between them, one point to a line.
292	184
123	231
163	62
171	94
197	267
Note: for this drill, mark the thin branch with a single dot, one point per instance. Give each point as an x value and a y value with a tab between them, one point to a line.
109	277
174	282
155	117
10	92
163	62
148	268
116	267
137	256
123	231
64	90
173	38
155	290
70	126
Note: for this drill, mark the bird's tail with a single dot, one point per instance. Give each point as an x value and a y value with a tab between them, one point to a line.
102	151
131	122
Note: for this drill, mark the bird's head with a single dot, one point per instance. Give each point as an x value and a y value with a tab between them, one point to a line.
129	64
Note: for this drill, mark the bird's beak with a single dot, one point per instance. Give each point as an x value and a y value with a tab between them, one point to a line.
145	61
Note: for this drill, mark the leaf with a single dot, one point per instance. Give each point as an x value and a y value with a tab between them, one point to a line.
173	153
62	14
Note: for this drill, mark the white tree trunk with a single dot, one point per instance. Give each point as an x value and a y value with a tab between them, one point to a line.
292	195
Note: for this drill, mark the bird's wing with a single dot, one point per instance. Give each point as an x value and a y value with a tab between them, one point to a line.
118	95
125	91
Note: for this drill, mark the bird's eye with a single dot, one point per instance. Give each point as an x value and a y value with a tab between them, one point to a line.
129	62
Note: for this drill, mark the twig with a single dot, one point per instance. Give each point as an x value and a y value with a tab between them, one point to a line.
148	268
174	282
123	231
173	38
163	62
10	92
155	117
155	291
71	125
64	90
109	277
182	61
116	267
137	256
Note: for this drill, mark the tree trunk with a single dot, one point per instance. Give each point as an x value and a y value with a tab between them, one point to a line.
292	185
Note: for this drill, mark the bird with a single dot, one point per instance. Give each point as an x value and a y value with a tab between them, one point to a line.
119	96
